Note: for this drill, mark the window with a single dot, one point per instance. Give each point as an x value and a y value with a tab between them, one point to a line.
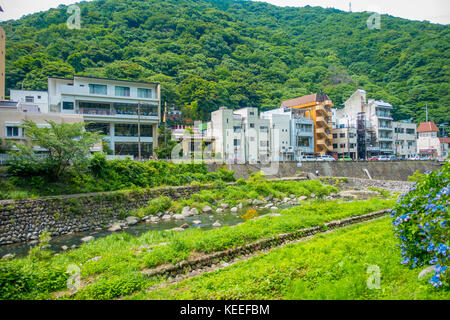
252	125
237	142
264	128
410	131
67	105
29	99
133	149
351	135
342	135
335	146
97	89
12	131
334	135
144	93
342	145
131	130
237	129
122	91
264	143
39	97
252	113
103	128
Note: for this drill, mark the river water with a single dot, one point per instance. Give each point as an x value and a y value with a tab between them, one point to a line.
69	240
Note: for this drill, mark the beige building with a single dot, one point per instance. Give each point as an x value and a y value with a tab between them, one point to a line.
345	142
11	118
405	137
428	143
2	64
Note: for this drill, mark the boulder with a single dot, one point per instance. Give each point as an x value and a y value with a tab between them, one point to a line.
196	222
8	256
425	271
240	206
219	210
64	248
207	209
166	217
217	224
302	198
274	208
115	227
186	211
87	239
234	210
132	220
224	205
178	216
194	212
184	226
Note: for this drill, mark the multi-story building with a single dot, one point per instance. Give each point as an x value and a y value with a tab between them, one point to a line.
445	146
12	118
405	137
126	112
316	107
240	135
293	131
2	64
429	144
345	142
28	97
373	123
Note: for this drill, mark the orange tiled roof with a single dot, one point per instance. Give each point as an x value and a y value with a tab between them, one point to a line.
429	126
445	140
304	100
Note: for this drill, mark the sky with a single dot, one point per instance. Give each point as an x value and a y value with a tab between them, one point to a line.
437	11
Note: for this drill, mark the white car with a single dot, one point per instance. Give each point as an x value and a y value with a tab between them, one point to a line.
325	158
306	159
384	158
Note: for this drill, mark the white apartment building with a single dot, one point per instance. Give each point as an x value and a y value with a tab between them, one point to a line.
26	98
240	135
373	121
405	137
113	107
295	133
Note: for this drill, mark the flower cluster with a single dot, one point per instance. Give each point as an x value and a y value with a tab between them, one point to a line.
420	220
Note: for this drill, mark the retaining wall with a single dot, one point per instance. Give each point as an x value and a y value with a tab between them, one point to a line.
379	170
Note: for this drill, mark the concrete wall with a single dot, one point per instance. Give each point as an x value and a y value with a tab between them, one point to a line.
389	170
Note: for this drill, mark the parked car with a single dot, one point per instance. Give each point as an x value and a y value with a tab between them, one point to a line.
346	159
374	158
414	158
384	158
393	158
325	158
306	158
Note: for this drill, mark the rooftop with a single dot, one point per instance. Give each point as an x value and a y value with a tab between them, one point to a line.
304	100
429	126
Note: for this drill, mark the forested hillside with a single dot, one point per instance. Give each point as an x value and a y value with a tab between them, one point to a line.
208	53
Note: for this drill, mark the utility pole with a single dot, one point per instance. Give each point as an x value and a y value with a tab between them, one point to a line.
139	131
426	112
165	125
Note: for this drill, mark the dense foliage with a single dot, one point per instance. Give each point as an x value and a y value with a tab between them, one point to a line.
66	144
421	222
102	175
208	53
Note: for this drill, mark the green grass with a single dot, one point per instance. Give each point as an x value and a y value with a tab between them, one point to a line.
330	266
120	262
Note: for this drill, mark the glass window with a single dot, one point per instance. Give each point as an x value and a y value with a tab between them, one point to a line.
29	99
237	142
97	89
103	128
122	91
144	93
12	131
131	130
252	125
133	149
342	135
67	105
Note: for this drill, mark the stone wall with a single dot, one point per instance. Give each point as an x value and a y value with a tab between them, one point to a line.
378	170
25	220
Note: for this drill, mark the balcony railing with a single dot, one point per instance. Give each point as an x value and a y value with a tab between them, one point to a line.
113	112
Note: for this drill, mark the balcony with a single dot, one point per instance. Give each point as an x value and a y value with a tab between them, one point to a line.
114	112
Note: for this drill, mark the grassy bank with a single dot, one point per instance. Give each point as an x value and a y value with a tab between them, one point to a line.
117	258
331	266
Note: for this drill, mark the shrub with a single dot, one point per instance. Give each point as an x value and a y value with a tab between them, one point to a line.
14	282
421	223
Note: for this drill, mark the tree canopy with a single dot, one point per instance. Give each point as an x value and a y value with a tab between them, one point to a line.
208	53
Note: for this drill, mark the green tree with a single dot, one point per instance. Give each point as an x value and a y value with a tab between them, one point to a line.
65	144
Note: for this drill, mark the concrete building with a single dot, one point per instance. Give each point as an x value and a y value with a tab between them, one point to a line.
11	118
428	143
28	97
240	135
373	123
316	107
445	146
293	131
113	107
195	143
405	137
2	63
345	142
